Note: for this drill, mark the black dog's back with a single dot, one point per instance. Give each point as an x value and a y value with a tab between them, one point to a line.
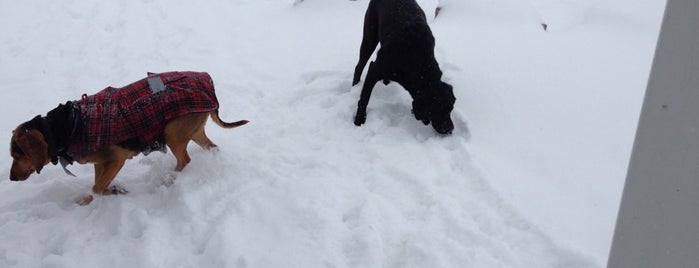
396	15
392	22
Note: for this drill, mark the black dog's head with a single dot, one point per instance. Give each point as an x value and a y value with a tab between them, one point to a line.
436	108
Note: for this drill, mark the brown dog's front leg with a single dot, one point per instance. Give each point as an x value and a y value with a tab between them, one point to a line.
107	162
104	174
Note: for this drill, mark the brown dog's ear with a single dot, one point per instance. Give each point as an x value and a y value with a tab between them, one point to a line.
33	144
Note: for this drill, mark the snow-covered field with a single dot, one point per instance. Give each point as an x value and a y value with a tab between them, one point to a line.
531	177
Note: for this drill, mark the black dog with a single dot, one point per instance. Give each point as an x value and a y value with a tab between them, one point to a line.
406	56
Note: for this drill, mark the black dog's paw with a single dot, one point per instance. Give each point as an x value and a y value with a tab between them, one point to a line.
359	118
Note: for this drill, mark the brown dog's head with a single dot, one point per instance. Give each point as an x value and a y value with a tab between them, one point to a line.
29	153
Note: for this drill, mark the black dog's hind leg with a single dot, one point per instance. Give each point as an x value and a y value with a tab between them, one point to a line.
372	77
370	40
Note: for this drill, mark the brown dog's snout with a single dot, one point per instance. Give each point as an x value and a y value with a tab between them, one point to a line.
21	175
15	177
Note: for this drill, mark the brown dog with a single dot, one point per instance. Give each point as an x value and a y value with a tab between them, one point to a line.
118	123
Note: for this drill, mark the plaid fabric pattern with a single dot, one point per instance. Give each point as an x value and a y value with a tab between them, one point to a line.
138	113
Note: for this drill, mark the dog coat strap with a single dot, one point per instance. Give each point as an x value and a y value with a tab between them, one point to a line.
65	162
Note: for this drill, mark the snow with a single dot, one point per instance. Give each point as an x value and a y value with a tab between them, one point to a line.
531	177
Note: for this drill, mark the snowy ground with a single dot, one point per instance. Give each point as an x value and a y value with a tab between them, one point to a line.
531	177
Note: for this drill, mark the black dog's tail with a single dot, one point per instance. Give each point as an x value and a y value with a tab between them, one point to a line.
221	123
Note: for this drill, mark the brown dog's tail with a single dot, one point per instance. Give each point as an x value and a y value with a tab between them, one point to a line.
221	123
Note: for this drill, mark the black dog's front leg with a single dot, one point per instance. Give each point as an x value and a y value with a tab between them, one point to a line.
372	77
370	39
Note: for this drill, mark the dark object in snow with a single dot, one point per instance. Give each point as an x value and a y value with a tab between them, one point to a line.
406	56
545	26
116	124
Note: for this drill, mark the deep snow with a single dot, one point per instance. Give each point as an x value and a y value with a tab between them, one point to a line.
531	177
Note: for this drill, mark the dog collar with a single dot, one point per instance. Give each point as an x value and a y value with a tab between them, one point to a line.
48	135
53	152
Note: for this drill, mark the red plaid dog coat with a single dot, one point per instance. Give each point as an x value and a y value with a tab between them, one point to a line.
138	112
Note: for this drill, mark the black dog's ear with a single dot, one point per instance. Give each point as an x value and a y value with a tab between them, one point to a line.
420	112
449	92
447	86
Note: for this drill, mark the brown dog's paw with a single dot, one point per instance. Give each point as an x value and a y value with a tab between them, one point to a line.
168	180
86	200
117	189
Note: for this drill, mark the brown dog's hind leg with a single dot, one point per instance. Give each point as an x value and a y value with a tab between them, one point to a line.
202	140
179	149
178	133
